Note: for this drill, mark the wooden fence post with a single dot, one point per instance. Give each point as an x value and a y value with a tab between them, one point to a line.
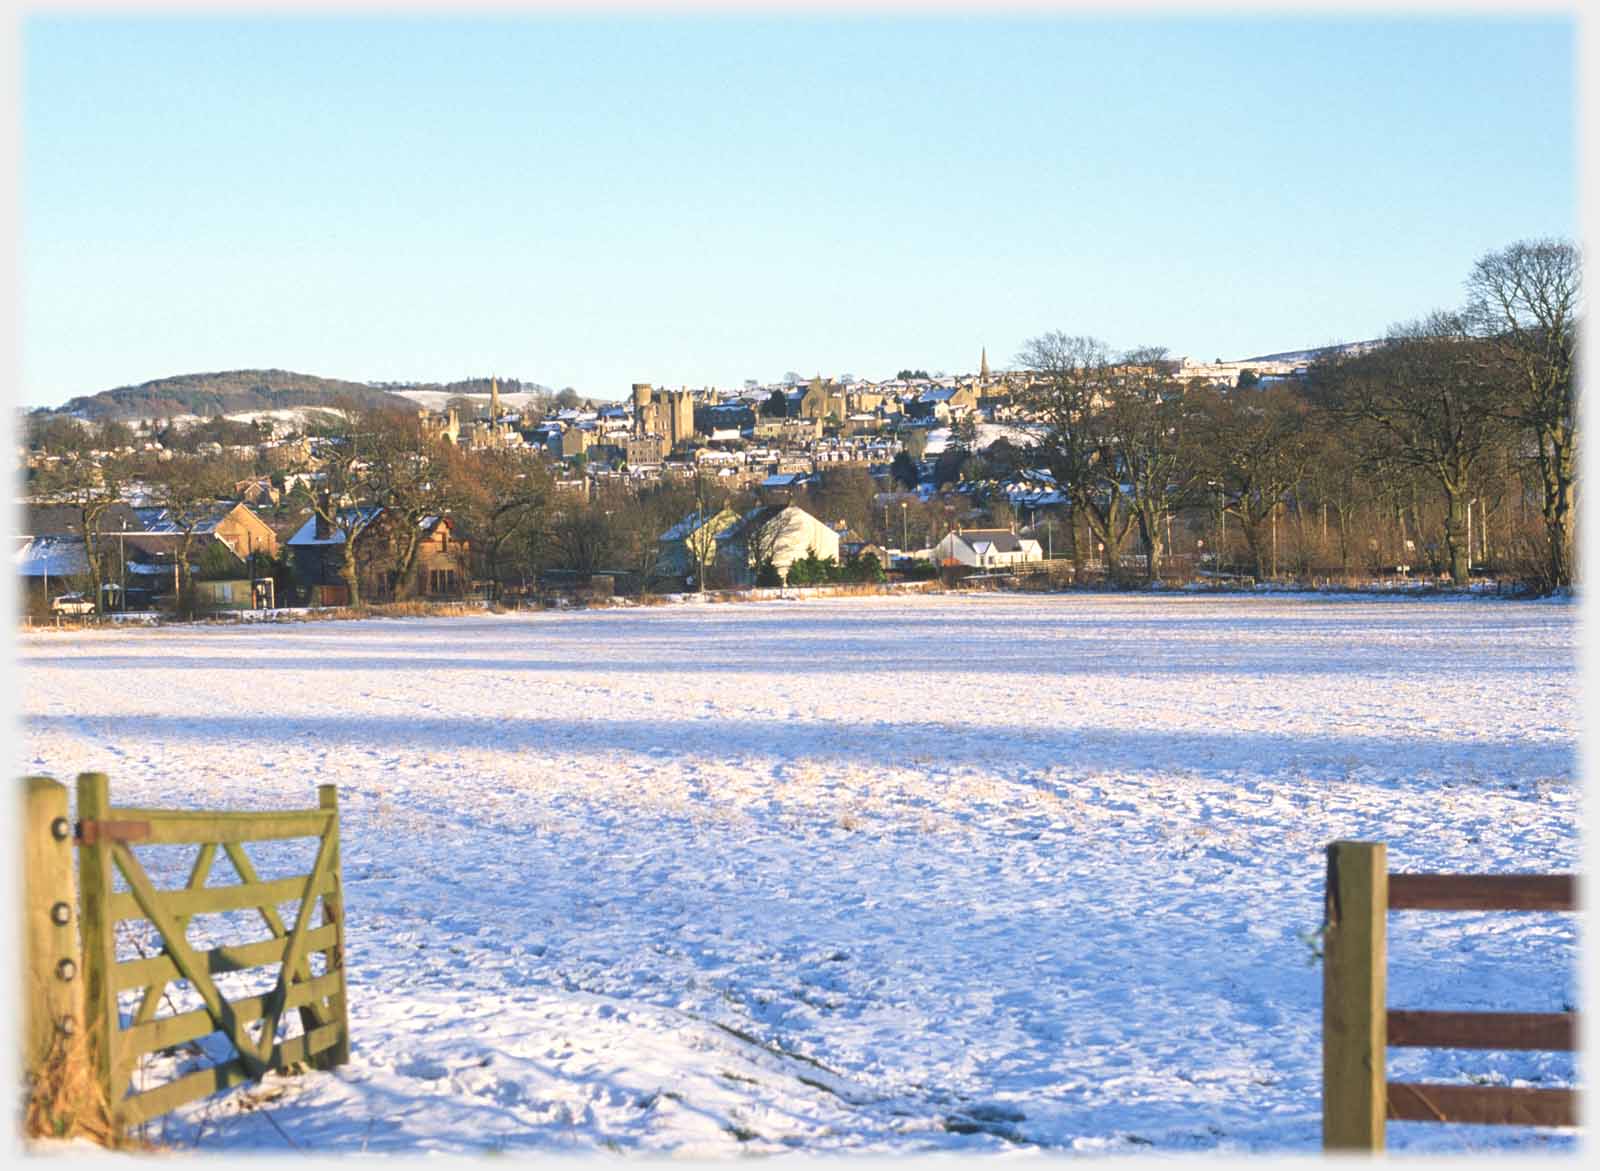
1355	997
101	1022
52	981
333	901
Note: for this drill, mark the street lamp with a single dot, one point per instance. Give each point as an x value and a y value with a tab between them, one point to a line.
904	538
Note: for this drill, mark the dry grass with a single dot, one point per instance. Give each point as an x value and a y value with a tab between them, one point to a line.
66	1100
424	609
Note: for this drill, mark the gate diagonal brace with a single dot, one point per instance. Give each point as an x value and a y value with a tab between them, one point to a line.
217	1006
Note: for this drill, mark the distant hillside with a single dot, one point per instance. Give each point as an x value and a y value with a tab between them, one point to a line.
1318	352
226	393
508	386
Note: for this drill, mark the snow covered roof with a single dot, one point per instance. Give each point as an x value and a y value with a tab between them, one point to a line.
687	525
55	556
306	534
990	540
161	520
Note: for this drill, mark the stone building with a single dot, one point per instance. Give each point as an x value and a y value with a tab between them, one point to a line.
667	413
823	400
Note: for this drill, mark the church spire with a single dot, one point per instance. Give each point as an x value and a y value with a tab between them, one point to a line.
494	399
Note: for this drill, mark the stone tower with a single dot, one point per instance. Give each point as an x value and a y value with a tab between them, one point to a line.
643	415
680	416
494	399
983	366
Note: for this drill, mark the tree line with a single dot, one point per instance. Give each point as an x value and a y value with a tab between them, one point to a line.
1473	405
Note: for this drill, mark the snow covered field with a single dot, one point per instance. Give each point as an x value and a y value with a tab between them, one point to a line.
888	875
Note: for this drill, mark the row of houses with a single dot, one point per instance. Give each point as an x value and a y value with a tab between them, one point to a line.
237	560
234	558
227	548
737	546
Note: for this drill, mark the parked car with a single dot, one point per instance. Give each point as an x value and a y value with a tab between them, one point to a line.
71	604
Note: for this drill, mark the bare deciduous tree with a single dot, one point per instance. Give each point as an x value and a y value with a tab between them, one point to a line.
1426	400
1256	446
408	475
1144	420
501	496
341	495
1525	299
1071	376
192	490
90	488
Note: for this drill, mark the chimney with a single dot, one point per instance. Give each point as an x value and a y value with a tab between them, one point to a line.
323	529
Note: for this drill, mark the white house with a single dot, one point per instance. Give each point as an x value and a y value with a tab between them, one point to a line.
691	540
984	548
778	533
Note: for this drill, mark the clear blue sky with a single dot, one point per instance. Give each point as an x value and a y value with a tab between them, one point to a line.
701	200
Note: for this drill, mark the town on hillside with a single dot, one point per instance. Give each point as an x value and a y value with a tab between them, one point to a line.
1081	465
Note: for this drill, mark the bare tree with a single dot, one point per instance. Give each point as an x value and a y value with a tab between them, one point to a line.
846	493
1426	400
501	495
1144	419
1256	446
193	491
701	540
580	537
91	488
1068	394
408	475
341	495
1525	299
765	538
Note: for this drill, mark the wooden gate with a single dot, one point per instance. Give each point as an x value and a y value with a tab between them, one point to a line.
1358	1028
108	839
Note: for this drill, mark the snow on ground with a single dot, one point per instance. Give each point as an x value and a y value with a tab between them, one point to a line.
1019	435
898	875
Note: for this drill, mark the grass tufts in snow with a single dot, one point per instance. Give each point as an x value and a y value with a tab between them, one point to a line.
65	1099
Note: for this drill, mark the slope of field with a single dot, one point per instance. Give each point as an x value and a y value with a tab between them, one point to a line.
873	875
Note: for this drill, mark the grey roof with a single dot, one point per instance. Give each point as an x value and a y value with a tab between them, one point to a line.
41	520
1000	540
